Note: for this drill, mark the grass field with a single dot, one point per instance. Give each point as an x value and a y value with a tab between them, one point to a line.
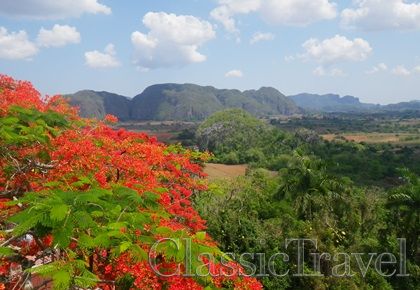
221	171
374	138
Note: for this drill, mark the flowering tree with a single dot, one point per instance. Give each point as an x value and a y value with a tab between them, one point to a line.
83	205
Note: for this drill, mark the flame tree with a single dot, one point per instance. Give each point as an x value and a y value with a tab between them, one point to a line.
82	204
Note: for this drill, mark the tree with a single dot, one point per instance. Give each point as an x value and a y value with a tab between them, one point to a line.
404	202
82	204
230	133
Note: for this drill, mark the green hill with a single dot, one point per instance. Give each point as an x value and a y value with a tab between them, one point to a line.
98	104
192	102
182	102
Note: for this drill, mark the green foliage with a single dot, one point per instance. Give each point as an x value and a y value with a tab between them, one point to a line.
367	164
257	212
99	219
234	136
66	275
404	204
95	219
26	126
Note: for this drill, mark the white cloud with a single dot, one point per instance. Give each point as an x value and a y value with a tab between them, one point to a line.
234	74
51	9
377	68
401	70
297	12
260	36
225	17
172	40
289	58
333	72
229	8
59	35
382	14
278	12
15	45
336	49
106	59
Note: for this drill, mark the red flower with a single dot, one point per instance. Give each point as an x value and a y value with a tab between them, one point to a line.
47	240
91	149
111	119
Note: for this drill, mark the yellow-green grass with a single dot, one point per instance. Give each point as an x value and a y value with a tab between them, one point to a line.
222	171
375	138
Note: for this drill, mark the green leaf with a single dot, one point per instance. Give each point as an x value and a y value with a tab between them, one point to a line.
10	121
59	212
5	251
164	231
44	270
53	184
86	242
102	240
116	226
124	246
31	221
83	180
61	280
62	235
161	190
201	236
86	280
138	253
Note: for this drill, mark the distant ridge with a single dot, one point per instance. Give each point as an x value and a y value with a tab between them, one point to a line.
182	102
331	103
403	106
190	102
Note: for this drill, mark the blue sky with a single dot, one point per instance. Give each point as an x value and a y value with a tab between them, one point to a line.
369	49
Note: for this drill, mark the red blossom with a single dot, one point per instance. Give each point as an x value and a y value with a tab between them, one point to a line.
107	156
111	119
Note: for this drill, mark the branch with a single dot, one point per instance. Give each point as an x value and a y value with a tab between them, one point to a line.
7	242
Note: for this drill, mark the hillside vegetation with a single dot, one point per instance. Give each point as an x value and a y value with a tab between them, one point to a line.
348	197
93	104
187	102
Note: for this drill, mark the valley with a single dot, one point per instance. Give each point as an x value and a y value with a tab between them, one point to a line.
210	145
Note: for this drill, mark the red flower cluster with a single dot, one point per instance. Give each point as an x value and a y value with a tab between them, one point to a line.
91	148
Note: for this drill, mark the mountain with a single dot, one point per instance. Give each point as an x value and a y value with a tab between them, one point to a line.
404	106
97	104
183	102
193	102
189	102
274	100
330	103
175	102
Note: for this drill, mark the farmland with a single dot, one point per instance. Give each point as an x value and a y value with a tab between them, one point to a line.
375	138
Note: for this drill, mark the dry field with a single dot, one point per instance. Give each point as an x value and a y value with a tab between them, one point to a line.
221	171
372	138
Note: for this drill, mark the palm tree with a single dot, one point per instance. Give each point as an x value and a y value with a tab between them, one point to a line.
404	203
306	183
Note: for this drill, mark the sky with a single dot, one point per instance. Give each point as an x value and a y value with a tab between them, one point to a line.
366	48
